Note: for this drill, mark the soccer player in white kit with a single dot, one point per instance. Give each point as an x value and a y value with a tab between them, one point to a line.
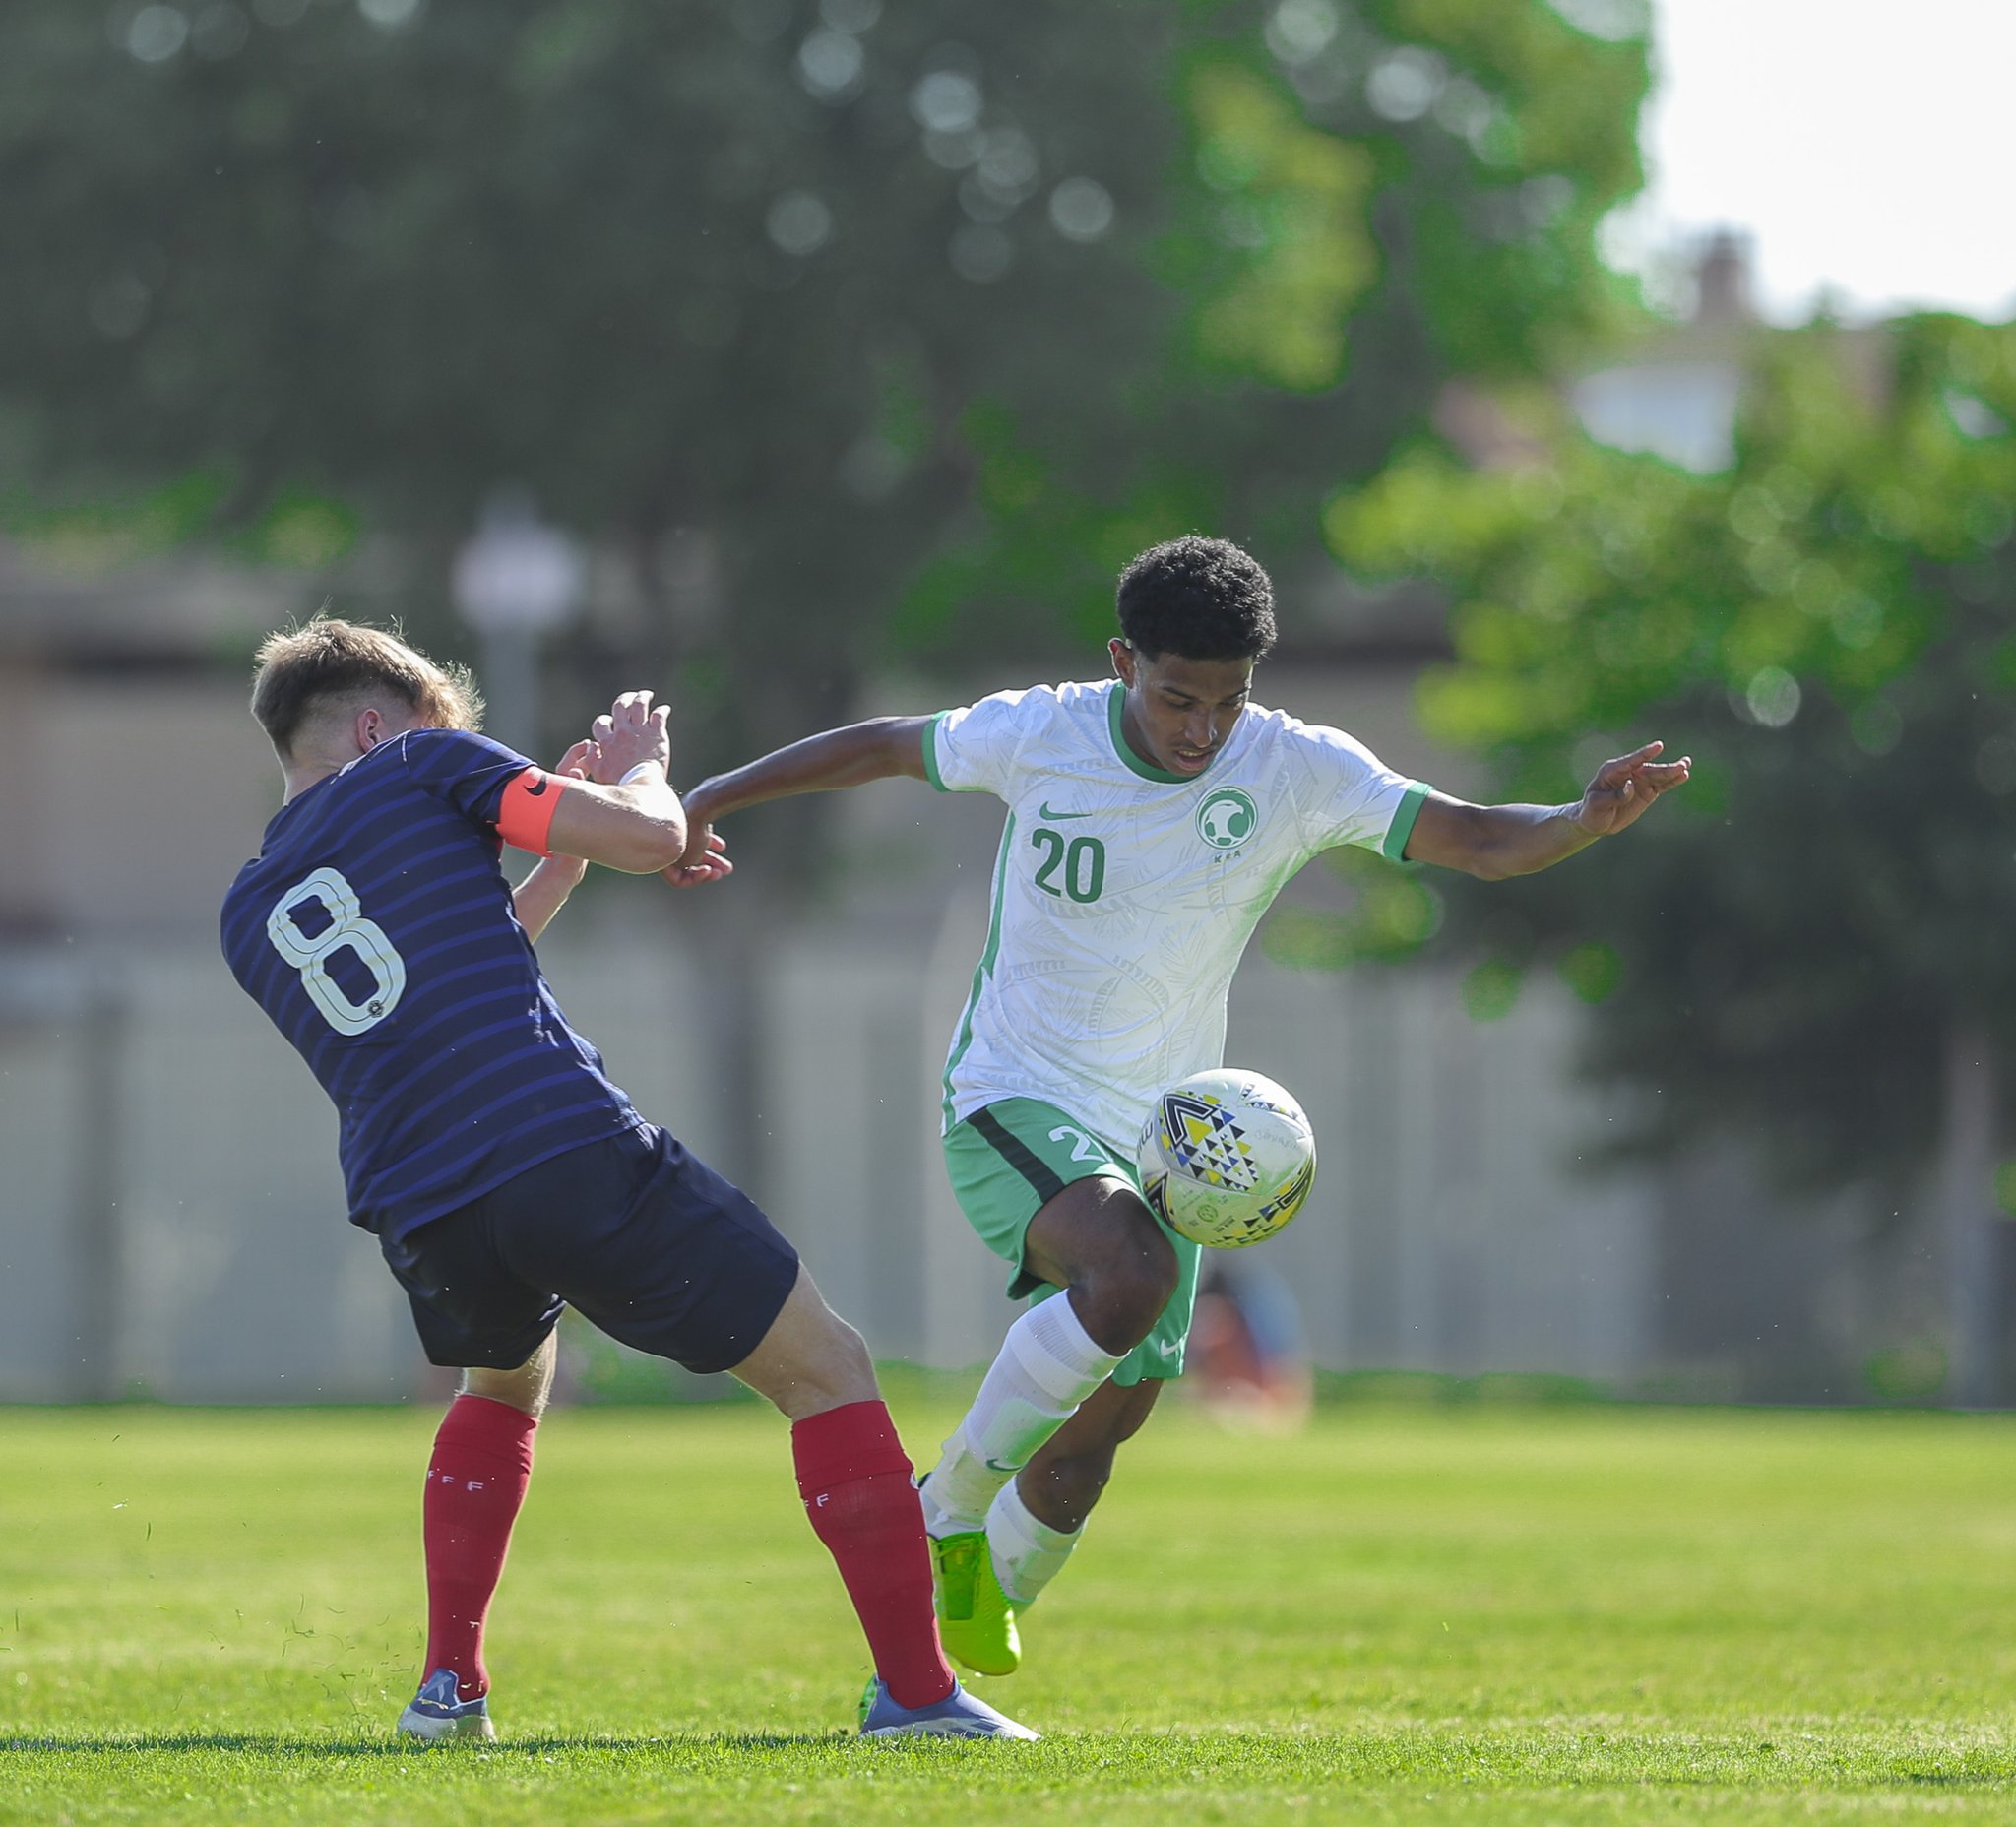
1151	820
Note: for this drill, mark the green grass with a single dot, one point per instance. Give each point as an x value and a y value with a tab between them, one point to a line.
1407	1614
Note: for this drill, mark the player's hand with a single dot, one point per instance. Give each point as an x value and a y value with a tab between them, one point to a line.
706	861
705	857
628	734
1625	788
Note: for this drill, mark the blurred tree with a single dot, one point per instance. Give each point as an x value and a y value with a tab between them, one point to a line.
856	331
1360	201
1810	952
913	321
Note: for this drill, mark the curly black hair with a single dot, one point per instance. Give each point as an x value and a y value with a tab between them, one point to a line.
1197	597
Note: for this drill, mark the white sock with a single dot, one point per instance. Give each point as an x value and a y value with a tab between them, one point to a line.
1027	1554
1048	1365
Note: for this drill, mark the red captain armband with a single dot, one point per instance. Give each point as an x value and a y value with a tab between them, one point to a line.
526	817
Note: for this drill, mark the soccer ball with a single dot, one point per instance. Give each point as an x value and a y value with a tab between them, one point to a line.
1227	1158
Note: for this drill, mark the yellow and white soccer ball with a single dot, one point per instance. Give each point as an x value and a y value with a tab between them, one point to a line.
1227	1158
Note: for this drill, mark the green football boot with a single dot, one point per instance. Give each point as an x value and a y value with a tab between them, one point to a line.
975	1617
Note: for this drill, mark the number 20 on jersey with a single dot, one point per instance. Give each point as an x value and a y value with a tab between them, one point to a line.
1075	868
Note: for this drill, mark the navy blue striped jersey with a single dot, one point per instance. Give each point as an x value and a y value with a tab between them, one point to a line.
375	927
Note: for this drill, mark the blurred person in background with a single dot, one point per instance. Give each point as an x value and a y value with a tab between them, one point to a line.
502	1173
1247	1365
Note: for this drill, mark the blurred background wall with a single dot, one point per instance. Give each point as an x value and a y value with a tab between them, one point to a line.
813	360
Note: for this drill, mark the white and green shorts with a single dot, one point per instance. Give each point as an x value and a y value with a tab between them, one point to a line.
1010	1158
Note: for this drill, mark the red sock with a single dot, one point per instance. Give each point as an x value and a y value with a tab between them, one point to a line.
476	1482
855	1477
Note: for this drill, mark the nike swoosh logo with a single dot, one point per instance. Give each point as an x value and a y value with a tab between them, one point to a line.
991	1467
1043	812
537	786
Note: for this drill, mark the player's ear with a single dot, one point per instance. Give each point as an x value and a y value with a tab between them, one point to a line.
1123	661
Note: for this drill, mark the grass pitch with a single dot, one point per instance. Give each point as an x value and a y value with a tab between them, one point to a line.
1406	1615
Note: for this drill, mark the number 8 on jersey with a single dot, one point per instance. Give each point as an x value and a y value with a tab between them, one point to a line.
367	942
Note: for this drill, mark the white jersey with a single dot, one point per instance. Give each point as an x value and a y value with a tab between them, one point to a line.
1125	894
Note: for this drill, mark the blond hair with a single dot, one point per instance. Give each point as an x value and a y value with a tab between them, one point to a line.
303	671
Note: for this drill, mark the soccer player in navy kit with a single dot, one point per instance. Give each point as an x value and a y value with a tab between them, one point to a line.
502	1173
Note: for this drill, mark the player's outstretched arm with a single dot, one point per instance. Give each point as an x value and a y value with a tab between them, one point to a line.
1493	842
852	756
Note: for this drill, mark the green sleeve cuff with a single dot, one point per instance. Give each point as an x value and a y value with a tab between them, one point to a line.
932	773
1393	850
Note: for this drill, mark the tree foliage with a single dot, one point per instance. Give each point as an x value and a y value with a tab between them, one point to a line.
1830	627
924	317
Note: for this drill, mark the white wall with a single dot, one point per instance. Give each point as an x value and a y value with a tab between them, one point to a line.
1448	1231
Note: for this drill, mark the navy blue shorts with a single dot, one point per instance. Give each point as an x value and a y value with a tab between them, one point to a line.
642	1239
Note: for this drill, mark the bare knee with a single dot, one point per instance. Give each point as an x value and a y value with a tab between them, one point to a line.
1098	1239
810	1360
1121	1289
835	1371
525	1388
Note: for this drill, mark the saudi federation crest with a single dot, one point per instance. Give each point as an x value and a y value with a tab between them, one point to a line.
1227	817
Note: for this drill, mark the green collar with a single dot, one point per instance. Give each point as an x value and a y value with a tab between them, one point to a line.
1126	750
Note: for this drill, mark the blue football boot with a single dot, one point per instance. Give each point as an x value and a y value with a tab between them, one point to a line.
437	1712
958	1716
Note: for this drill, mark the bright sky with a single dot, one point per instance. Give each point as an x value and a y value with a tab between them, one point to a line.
1867	146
